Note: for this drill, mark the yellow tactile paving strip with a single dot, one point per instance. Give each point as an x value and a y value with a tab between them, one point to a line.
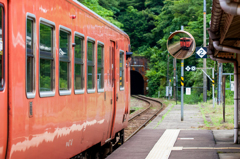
164	146
162	149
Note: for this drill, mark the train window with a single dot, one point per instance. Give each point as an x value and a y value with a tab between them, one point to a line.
79	64
90	65
30	56
64	60
46	65
121	70
1	48
100	66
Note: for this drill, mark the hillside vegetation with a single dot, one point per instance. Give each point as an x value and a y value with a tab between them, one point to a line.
149	23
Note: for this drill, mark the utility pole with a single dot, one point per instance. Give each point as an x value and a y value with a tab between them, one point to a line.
168	83
219	84
223	91
213	83
174	76
204	45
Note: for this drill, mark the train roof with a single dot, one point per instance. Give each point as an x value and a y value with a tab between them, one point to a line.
80	4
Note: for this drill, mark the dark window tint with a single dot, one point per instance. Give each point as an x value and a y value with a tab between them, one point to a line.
46	58
78	76
63	75
45	39
90	51
45	75
100	68
30	56
1	49
90	63
90	77
78	54
78	48
64	64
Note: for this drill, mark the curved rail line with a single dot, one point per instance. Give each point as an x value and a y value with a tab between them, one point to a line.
148	100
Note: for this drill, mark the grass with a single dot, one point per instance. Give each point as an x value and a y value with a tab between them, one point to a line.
215	116
168	102
136	108
164	116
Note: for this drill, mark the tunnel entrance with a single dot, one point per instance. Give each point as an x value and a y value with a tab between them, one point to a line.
137	83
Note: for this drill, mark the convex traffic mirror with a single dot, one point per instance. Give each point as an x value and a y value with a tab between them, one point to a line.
181	44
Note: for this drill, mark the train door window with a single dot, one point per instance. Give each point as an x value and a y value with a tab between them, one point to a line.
1	49
46	64
30	55
64	61
90	65
79	64
100	66
121	70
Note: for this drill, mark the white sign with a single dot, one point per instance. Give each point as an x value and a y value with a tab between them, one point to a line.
188	91
232	85
201	52
188	68
193	68
168	90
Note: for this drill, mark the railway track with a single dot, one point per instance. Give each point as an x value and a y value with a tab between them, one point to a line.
181	53
140	120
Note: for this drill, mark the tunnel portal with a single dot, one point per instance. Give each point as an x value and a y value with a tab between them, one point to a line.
137	83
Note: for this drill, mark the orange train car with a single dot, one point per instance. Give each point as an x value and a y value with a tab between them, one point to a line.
64	81
186	43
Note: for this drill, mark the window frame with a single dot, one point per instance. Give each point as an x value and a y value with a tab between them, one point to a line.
101	90
69	31
121	88
93	90
80	91
53	26
31	17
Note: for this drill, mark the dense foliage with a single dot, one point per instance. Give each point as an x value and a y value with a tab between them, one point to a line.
149	23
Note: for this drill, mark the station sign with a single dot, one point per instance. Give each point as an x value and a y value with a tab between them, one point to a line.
201	52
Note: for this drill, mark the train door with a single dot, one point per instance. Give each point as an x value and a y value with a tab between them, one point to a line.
113	85
3	79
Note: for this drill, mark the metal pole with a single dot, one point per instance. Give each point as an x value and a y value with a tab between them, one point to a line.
167	77
182	87
182	82
213	82
219	84
204	45
223	89
174	77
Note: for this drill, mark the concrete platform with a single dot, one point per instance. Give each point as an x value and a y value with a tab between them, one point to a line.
186	140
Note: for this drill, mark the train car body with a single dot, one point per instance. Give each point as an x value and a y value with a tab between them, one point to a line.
186	43
182	42
64	80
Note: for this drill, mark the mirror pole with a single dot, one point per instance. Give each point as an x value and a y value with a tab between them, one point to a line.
182	83
182	87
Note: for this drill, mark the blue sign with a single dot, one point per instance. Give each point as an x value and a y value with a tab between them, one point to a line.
201	52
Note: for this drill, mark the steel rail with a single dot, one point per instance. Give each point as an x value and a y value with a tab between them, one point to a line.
141	111
176	53
155	114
